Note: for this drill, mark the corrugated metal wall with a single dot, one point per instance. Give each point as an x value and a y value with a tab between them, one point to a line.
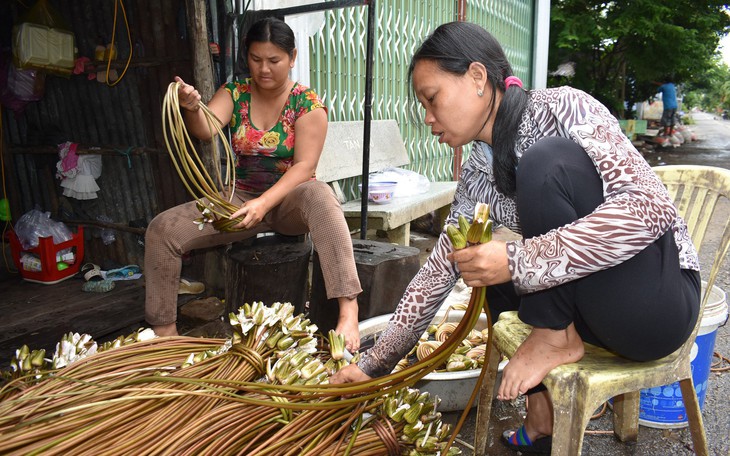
338	55
124	121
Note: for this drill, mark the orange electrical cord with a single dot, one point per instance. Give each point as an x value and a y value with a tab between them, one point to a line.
117	4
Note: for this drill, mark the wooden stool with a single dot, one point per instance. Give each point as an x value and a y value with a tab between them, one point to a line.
384	269
268	269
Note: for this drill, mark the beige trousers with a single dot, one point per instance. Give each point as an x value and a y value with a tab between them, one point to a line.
311	207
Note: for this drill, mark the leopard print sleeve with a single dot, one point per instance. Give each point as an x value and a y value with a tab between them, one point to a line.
425	293
420	302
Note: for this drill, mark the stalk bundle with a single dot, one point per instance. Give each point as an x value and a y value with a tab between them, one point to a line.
260	393
215	205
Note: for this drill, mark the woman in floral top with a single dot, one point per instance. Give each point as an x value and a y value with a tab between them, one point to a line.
278	129
604	257
265	155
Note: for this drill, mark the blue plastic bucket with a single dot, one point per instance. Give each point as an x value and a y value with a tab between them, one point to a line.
662	407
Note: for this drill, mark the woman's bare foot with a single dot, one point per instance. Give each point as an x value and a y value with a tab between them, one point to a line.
543	350
165	330
347	323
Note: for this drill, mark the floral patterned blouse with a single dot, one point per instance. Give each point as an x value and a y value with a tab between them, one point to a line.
636	206
264	156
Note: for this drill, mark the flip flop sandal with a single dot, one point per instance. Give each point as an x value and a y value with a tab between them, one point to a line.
98	286
123	272
519	441
92	272
188	287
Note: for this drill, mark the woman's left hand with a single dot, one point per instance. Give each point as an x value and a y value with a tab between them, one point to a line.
251	213
484	264
349	374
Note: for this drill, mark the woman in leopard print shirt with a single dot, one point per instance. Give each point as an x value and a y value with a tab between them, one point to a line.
604	257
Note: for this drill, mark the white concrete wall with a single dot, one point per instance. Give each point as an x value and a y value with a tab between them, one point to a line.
542	41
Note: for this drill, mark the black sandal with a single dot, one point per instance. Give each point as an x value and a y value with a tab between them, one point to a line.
519	441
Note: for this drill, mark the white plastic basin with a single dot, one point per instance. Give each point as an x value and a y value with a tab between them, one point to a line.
454	388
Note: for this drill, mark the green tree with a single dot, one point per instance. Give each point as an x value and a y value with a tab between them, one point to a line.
710	90
619	48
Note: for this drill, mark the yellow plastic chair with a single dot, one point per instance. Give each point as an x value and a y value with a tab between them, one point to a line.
578	389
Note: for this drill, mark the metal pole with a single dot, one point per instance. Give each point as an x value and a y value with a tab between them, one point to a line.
367	107
458	151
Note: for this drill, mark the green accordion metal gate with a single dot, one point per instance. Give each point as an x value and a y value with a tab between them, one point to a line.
338	52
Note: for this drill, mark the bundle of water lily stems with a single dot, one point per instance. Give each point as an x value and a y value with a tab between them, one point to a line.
214	205
263	392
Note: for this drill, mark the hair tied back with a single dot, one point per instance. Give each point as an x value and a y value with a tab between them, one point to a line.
512	80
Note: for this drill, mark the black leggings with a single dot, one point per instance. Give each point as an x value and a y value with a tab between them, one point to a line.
642	309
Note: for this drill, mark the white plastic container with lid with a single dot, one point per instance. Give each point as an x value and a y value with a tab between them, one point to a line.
41	47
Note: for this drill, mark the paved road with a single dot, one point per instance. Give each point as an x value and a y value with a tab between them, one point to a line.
712	148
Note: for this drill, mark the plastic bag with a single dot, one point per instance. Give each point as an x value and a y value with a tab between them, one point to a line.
36	224
26	85
409	182
107	234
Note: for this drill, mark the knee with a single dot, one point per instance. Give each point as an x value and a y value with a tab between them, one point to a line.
549	152
159	228
316	192
553	159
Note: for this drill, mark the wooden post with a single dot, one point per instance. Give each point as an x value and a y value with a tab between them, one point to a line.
204	81
202	71
271	269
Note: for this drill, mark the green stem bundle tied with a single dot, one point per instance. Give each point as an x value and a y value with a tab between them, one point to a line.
479	231
264	391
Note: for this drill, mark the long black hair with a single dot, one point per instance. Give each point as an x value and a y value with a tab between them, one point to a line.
453	47
273	30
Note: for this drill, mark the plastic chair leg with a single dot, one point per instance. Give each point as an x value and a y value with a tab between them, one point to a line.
626	416
574	401
567	425
694	417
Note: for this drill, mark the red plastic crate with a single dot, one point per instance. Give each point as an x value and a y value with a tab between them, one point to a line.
46	251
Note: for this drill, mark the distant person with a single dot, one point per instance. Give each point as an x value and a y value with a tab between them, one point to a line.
669	99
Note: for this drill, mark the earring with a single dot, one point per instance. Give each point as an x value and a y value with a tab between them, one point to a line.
480	92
